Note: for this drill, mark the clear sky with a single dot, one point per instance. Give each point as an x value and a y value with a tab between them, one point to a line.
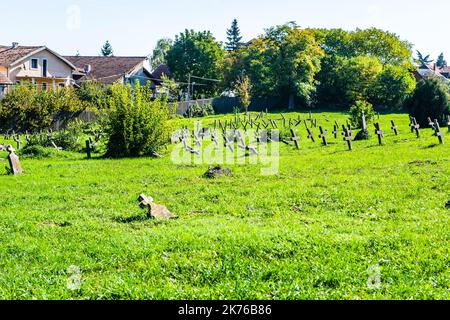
134	26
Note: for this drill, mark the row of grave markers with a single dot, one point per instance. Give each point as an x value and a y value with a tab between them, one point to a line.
347	132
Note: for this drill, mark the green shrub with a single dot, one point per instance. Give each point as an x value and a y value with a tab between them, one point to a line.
69	139
429	100
39	152
356	114
95	95
27	108
137	125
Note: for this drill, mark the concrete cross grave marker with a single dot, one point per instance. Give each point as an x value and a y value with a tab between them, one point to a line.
411	124
430	123
55	146
438	131
197	141
214	137
245	147
295	138
336	130
228	143
394	127
18	141
274	124
155	211
415	127
264	124
14	162
283	118
310	133
88	149
245	126
364	123
379	133
348	137
323	136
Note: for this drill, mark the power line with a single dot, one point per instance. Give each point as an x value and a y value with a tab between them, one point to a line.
207	79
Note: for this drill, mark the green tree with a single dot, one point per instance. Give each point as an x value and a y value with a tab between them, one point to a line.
386	49
423	61
243	89
429	99
283	63
384	45
233	36
159	55
198	54
394	85
107	50
441	63
357	77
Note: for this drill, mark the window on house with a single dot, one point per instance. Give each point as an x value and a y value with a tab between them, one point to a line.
44	67
61	85
34	63
44	86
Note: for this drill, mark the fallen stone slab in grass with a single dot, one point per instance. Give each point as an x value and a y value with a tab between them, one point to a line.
155	211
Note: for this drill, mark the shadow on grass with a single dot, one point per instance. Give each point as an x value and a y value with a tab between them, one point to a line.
431	146
128	220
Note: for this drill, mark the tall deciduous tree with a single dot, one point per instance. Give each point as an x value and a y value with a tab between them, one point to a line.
159	55
233	36
283	63
441	63
198	54
107	50
243	89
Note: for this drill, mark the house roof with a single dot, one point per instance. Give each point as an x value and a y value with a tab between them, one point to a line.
160	70
107	69
428	71
4	79
10	56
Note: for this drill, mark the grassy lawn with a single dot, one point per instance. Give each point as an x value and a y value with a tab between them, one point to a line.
332	224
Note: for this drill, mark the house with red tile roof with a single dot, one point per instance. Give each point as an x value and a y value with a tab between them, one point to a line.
36	64
122	70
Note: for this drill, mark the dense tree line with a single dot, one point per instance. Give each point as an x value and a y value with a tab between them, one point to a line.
304	67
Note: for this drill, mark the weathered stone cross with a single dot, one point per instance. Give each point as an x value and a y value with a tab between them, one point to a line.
438	131
394	127
379	133
323	136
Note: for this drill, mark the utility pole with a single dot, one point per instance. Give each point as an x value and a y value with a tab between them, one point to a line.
189	87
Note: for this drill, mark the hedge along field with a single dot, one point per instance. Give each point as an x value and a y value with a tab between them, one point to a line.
332	224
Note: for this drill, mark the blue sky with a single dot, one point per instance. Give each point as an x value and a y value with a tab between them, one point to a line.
134	26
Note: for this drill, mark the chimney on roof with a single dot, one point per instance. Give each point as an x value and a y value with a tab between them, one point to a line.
15	45
87	69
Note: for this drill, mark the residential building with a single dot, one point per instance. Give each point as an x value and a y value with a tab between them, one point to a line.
110	70
36	64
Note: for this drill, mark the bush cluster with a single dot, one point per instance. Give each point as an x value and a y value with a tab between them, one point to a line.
137	125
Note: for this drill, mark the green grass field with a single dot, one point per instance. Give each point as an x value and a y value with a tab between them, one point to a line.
332	224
